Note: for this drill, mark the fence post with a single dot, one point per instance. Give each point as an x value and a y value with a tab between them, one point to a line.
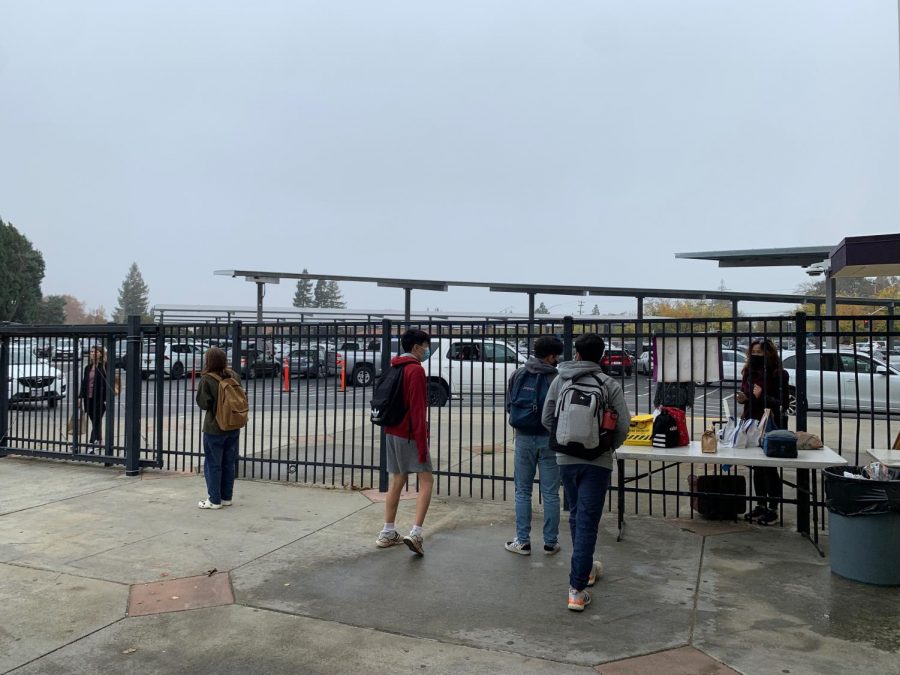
4	391
133	398
567	337
236	347
385	364
800	371
111	394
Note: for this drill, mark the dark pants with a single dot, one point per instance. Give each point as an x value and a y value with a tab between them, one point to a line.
220	467
95	408
767	483
585	488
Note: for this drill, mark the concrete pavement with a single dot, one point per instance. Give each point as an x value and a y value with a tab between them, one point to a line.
104	574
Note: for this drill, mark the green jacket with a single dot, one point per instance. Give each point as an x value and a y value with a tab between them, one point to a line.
208	399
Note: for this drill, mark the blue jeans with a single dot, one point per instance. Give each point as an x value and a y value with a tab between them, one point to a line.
532	451
220	467
585	486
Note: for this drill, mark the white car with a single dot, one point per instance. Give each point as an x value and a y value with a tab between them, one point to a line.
844	380
732	365
469	366
645	363
31	379
179	359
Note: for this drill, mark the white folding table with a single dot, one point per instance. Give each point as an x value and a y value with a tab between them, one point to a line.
806	461
890	458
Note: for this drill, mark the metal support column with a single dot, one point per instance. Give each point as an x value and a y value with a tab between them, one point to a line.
236	329
133	398
530	320
407	303
4	390
568	331
831	310
260	294
385	364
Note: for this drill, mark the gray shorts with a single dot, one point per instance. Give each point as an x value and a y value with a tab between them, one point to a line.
403	456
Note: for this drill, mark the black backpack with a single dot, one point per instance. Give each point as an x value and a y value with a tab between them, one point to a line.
665	431
388	406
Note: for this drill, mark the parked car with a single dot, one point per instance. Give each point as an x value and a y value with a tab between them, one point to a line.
31	379
456	366
733	365
617	360
256	363
62	349
311	362
467	366
844	380
645	362
179	359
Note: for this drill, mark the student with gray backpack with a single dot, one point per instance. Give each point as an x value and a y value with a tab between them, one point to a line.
586	415
527	389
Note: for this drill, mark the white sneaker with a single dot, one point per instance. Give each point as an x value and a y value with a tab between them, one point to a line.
415	543
387	539
206	504
226	502
516	546
578	600
596	572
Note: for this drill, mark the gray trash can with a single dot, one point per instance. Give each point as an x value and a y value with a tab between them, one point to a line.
864	526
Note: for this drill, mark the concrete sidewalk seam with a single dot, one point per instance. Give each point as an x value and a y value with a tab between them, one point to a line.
72	642
697	592
316	531
58	572
123	545
410	636
64	499
636	656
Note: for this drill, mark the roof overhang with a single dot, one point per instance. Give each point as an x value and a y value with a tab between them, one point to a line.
797	256
871	256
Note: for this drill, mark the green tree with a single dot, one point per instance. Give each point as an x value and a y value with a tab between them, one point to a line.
134	297
327	294
320	294
856	287
303	296
21	273
52	310
335	296
542	309
595	311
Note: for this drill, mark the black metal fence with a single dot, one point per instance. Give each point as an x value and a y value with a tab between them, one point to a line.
309	387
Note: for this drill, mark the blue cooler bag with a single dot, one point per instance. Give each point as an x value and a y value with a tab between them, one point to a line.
780	443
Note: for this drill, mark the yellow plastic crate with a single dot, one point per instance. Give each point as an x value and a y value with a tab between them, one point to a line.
640	430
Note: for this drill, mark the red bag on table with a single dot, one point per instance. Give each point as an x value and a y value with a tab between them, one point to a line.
680	419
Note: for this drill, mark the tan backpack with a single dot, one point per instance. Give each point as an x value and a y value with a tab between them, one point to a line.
232	408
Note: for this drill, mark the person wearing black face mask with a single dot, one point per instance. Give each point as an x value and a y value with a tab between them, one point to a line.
764	384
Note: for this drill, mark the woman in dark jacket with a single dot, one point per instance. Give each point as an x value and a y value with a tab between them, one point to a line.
92	393
764	384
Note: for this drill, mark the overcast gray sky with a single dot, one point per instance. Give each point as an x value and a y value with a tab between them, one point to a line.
582	142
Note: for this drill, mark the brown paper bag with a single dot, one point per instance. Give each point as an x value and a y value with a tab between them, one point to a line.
70	426
708	442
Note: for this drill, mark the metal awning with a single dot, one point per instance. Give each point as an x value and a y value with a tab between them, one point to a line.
798	256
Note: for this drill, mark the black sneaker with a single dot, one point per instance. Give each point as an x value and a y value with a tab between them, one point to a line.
758	512
768	517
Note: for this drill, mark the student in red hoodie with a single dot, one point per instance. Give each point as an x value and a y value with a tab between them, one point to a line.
407	444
